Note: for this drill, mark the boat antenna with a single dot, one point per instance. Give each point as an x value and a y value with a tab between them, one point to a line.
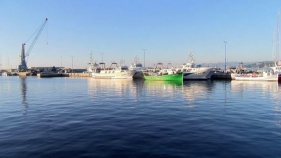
91	57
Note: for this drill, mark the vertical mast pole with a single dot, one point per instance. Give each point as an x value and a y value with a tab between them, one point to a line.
277	38
144	56
224	56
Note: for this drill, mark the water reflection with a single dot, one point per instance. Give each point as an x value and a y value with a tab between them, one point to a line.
23	94
183	91
176	83
269	90
196	90
237	86
111	87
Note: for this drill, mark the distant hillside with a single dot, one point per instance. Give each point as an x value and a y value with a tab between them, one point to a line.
260	64
246	64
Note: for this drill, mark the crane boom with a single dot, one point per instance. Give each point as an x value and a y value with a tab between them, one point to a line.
35	39
23	66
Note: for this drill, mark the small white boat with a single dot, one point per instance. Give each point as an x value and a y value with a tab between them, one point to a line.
6	73
192	71
115	71
265	76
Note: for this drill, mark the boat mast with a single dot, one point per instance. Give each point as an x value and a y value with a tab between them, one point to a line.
91	58
277	38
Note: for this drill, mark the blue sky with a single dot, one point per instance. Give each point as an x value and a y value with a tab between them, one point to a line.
167	29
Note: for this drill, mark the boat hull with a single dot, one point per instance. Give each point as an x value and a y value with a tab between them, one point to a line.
138	75
276	77
205	75
222	75
171	77
114	75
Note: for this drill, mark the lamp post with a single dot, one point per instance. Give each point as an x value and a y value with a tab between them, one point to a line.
224	56
60	61
144	56
72	62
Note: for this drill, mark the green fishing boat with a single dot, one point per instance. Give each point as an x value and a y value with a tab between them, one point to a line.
166	77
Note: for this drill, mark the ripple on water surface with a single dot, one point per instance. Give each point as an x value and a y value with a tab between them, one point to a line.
85	117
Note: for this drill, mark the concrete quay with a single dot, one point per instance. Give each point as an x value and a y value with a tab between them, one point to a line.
64	75
51	74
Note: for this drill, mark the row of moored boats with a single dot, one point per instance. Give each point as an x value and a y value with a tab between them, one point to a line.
187	71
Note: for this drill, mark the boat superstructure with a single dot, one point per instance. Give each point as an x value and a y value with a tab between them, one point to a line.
115	71
137	66
192	71
91	66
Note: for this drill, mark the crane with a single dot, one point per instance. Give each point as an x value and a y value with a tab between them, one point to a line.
23	66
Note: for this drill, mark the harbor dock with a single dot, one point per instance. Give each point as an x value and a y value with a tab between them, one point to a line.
64	75
50	74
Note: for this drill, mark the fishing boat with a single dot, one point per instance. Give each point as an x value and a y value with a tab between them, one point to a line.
192	71
163	74
115	71
163	77
136	65
264	76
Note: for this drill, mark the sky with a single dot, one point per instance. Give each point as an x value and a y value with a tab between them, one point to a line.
112	30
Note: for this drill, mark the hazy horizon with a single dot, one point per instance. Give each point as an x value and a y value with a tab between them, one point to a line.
114	30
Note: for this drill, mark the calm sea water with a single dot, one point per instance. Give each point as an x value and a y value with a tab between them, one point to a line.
85	117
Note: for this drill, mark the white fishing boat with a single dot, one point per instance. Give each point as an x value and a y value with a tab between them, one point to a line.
264	76
137	66
192	71
115	71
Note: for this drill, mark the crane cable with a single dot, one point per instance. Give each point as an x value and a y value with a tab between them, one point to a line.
39	30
